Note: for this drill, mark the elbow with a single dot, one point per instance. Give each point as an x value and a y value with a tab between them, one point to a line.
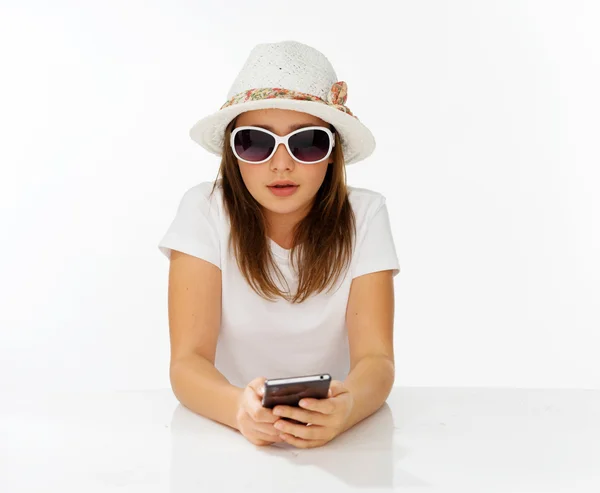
174	368
174	379
178	368
387	371
390	372
384	368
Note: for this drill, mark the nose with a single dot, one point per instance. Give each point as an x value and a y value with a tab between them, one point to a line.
282	159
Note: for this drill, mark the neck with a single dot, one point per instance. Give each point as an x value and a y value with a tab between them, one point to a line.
280	227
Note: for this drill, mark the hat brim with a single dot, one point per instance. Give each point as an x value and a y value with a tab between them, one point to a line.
358	142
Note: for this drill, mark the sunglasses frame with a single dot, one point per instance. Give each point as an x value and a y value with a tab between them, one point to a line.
282	140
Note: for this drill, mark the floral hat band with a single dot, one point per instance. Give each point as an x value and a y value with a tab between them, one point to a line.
336	97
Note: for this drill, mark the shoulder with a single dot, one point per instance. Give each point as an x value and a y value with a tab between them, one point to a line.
365	202
200	203
202	198
201	191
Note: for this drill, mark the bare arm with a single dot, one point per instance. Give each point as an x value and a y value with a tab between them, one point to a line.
370	321
194	324
370	383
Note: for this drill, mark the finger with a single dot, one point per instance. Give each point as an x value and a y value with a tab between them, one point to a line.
300	442
258	385
313	432
299	414
267	429
323	406
260	414
254	406
266	437
261	430
336	388
257	440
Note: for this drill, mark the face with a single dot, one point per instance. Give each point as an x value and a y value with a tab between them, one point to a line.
283	211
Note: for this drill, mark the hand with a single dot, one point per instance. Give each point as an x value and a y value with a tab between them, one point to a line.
324	418
254	421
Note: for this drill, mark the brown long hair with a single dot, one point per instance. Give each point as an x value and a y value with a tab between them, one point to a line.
323	241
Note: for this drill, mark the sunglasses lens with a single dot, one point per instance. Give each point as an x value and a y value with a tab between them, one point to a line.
253	145
310	145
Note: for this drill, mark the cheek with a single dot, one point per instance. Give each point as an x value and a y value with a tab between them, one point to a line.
251	175
317	174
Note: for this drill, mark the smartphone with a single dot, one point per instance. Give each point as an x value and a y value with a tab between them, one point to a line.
289	391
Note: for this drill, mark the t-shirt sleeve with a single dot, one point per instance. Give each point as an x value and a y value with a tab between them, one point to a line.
193	230
377	251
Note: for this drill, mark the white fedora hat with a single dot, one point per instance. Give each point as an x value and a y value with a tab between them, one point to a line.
293	76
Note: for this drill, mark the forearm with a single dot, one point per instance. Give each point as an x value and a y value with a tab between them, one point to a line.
200	387
370	382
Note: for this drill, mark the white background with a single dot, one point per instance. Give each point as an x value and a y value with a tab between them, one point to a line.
486	120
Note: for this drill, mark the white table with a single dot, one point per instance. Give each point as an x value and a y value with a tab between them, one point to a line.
423	439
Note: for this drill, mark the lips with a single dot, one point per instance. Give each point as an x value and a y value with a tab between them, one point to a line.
283	191
276	183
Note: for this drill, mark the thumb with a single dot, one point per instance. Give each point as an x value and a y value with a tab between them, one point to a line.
258	385
336	388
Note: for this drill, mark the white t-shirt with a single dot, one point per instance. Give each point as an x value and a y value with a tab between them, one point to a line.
277	339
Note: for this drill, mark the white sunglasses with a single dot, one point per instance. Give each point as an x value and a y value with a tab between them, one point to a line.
308	145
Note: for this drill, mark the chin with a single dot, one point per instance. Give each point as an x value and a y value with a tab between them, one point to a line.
283	208
283	205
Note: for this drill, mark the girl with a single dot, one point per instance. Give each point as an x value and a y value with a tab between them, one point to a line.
278	268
